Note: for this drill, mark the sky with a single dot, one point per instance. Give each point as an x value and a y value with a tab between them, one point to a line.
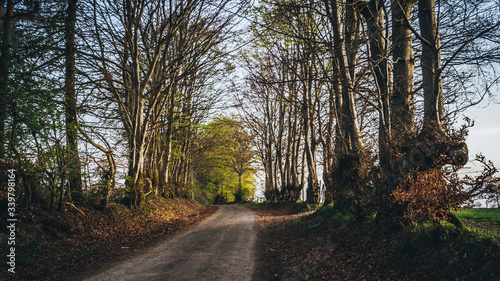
484	136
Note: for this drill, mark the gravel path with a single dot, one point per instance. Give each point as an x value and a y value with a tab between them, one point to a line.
220	248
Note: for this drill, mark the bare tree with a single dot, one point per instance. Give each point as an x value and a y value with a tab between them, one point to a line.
143	51
75	178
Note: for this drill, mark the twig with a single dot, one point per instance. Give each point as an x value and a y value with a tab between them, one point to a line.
72	205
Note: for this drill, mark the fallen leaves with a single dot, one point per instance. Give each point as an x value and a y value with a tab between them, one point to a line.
97	238
355	252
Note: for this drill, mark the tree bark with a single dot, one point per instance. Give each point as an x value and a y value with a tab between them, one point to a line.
75	178
351	126
6	15
402	100
431	64
167	144
434	130
374	15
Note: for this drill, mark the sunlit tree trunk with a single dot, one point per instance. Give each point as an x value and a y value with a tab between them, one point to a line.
346	66
167	144
402	101
431	66
374	15
434	130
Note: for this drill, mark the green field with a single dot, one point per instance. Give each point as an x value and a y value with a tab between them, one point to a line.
487	217
480	215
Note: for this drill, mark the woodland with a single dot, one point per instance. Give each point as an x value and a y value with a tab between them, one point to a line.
356	104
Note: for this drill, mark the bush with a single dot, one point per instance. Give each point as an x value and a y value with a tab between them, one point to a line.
427	195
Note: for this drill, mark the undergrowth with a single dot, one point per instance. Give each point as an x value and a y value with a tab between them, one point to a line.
442	250
335	217
474	254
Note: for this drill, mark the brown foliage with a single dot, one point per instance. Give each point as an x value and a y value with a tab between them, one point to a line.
78	242
427	195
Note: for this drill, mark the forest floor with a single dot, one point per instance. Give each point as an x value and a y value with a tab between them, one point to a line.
297	244
63	246
294	243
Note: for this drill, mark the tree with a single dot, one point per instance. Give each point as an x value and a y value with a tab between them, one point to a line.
6	14
143	54
75	179
242	157
307	51
224	161
434	146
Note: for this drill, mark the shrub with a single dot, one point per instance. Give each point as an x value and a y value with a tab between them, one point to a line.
427	195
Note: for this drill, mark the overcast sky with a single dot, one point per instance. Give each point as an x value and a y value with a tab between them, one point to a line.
485	135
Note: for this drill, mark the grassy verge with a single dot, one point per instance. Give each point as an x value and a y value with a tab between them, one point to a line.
449	253
333	246
489	216
482	219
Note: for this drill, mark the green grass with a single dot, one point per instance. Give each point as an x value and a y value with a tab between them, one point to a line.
444	244
430	243
336	218
491	216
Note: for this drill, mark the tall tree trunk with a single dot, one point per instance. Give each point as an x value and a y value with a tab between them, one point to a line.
328	149
402	100
167	145
310	153
308	118
75	178
434	128
351	26
280	146
295	139
351	124
6	28
349	176
431	64
271	194
135	179
239	193
341	144
374	14
288	154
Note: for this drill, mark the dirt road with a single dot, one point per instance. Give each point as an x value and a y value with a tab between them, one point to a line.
220	248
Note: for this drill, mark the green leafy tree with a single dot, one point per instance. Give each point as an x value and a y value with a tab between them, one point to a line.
223	165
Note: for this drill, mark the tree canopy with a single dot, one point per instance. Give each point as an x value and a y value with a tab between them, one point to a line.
224	164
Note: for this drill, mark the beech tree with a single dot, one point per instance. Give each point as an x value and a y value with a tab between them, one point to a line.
143	53
343	102
363	76
75	179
